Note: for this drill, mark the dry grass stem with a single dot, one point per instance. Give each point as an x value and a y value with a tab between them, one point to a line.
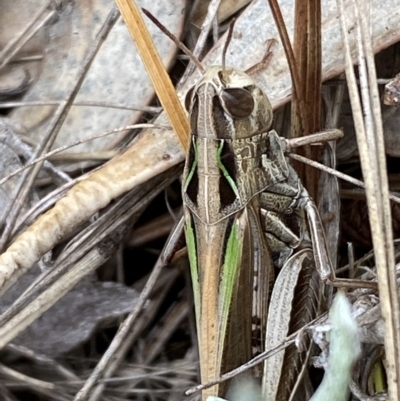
373	161
161	80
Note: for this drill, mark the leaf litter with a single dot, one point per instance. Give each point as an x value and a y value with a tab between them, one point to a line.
84	313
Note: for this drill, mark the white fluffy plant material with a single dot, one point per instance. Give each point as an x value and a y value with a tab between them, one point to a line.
344	351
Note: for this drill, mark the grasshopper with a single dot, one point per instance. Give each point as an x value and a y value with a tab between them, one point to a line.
233	160
246	214
227	166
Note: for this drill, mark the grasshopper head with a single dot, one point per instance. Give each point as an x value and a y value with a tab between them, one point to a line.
230	156
237	107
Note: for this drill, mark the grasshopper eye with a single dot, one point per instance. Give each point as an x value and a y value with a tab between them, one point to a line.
188	98
237	102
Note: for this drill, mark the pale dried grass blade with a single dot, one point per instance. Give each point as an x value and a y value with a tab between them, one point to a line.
161	80
373	162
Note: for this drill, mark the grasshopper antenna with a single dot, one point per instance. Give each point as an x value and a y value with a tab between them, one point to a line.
181	46
226	44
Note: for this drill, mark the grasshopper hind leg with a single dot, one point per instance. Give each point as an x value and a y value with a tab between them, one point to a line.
285	226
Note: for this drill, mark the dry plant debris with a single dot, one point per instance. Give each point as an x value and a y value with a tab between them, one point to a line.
72	220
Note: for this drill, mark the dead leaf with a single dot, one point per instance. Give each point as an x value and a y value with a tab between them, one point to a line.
73	319
117	75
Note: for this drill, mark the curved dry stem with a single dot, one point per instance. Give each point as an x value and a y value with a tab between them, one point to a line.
123	173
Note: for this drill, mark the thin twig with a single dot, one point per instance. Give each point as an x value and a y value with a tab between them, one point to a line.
109	105
29	176
227	41
20	40
258	359
8	136
126	327
71	145
313	139
336	173
162	288
205	30
181	46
